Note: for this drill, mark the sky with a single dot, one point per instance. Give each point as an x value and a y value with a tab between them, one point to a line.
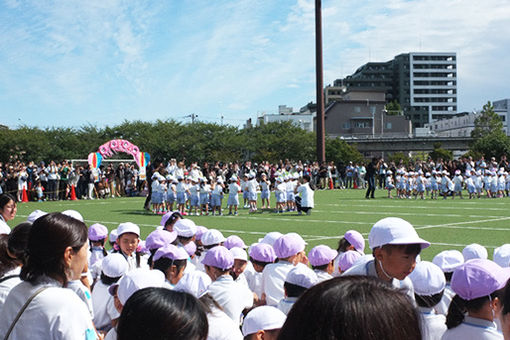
70	63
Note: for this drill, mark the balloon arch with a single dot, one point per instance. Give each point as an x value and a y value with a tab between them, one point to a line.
114	146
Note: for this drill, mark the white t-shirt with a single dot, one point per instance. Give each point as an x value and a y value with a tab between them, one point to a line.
56	313
322	275
231	296
306	195
473	329
4	228
104	308
12	280
285	304
221	327
273	278
254	280
433	325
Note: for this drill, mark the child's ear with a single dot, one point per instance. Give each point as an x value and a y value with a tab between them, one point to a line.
379	254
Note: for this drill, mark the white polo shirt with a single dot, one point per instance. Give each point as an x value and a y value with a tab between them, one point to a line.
8	282
444	304
433	325
322	275
222	327
273	278
4	228
285	304
231	296
56	313
104	308
368	269
473	329
254	280
306	193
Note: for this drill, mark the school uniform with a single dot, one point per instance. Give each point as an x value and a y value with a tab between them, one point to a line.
254	280
473	329
285	304
205	191
231	296
170	194
83	293
444	304
368	269
104	308
8	282
55	313
291	185
195	195
233	194
264	193
433	325
322	275
4	228
457	181
252	189
181	189
222	327
216	196
273	279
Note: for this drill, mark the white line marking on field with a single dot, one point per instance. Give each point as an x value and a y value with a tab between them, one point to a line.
412	207
447	225
401	213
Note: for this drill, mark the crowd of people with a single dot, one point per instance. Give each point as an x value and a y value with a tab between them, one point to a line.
62	279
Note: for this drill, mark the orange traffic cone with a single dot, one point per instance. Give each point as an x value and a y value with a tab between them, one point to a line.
354	185
73	193
330	184
24	196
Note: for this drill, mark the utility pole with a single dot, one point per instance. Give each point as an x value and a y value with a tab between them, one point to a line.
321	146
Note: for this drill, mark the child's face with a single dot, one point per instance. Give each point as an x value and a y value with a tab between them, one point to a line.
128	243
396	262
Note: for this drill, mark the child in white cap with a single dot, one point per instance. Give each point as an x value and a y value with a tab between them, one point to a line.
322	260
233	195
265	191
263	323
240	264
395	246
217	196
448	261
231	296
290	250
502	255
305	202
280	193
479	285
128	238
429	284
205	193
253	186
298	280
474	251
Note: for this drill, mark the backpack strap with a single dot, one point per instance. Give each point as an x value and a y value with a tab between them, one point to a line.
18	316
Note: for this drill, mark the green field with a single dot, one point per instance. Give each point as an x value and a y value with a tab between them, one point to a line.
447	224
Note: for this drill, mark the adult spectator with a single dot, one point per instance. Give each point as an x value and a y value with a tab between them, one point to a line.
371	172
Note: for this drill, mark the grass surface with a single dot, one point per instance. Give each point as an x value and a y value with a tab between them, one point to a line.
447	224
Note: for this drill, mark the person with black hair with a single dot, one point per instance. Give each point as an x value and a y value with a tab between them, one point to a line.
57	248
261	254
305	202
479	285
171	261
370	175
448	261
105	314
13	256
429	284
8	209
128	239
298	280
504	311
162	314
352	307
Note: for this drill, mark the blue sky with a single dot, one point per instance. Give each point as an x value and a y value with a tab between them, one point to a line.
73	63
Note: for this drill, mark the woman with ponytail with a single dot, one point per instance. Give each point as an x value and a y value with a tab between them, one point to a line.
478	285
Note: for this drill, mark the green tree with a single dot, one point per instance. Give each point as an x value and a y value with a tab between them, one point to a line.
339	150
393	108
490	139
439	152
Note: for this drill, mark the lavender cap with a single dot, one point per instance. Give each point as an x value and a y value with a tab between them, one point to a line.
97	232
191	248
348	259
159	238
200	232
219	257
234	241
167	216
171	252
321	255
356	240
262	252
478	277
288	245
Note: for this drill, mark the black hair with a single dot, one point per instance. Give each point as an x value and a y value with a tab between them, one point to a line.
293	290
208	303
171	220
210	246
448	276
323	267
108	280
343	244
5	199
49	237
184	240
7	263
162	314
18	241
428	301
105	253
260	263
151	256
459	307
505	298
358	307
164	264
409	249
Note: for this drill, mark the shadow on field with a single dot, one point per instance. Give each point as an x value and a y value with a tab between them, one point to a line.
135	212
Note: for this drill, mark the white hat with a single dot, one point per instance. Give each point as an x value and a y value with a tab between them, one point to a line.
114	265
74	214
302	276
474	251
128	227
271	237
34	215
185	227
502	255
137	279
394	230
113	235
212	236
194	283
448	260
263	318
428	279
239	253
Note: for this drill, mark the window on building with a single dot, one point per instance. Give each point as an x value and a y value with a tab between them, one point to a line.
346	126
361	125
388	126
357	109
